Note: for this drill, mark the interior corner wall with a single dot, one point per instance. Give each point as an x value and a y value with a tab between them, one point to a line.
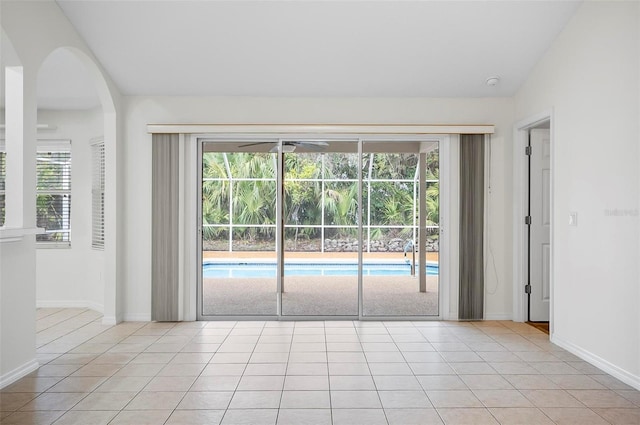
74	276
590	79
140	111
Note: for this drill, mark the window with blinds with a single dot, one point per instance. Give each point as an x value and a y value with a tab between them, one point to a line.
97	195
53	191
3	173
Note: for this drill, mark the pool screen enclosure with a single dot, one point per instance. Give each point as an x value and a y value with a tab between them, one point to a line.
319	228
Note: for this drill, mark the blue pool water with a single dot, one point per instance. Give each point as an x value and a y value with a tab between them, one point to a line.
258	269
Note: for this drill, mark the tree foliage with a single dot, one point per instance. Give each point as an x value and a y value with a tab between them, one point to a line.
248	200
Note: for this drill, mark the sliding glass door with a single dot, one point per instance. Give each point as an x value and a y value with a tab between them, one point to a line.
401	228
320	228
238	213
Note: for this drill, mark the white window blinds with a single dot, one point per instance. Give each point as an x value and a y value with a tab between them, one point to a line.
97	195
53	191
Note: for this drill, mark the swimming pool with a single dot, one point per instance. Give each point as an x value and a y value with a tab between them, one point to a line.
268	269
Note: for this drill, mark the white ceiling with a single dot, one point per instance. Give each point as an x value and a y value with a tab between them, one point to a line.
314	48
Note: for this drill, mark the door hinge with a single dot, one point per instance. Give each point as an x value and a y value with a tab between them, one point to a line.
527	289
527	150
527	220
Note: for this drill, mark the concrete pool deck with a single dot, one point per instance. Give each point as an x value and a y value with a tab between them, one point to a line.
321	296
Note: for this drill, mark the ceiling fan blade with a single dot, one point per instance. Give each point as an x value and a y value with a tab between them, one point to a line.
311	142
313	146
253	144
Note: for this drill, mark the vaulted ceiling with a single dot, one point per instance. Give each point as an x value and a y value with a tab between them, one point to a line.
309	48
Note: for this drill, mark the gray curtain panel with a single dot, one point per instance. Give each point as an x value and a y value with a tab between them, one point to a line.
471	302
164	283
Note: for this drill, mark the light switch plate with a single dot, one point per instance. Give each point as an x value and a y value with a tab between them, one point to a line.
573	219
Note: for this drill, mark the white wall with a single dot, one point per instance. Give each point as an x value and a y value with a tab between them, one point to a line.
17	347
140	111
35	30
74	276
590	77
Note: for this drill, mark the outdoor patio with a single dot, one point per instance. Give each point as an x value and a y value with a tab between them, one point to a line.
321	296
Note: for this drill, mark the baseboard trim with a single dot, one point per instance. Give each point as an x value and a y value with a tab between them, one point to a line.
70	304
109	320
17	373
61	304
498	316
95	307
137	317
613	370
451	315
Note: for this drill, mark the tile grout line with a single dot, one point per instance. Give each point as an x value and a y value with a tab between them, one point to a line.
326	350
474	393
216	352
70	332
284	381
243	371
47	391
375	385
414	375
79	313
123	409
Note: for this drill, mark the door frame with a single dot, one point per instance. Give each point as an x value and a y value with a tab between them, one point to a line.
520	204
445	199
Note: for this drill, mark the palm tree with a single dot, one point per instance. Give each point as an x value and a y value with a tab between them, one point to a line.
433	196
252	201
302	202
215	196
254	204
341	204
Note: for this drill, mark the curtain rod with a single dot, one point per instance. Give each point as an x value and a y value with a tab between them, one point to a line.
323	128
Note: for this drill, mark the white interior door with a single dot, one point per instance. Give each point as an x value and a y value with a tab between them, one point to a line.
540	241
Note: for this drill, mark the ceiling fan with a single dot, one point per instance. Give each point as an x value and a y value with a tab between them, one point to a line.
290	146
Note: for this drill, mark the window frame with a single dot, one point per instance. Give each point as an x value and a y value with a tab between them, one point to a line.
56	145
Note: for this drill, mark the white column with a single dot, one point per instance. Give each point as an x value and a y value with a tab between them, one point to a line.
20	134
113	219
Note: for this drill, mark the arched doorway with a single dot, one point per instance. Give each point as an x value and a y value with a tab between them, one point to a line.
76	109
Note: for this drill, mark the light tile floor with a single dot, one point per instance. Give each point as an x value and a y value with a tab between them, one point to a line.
308	373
